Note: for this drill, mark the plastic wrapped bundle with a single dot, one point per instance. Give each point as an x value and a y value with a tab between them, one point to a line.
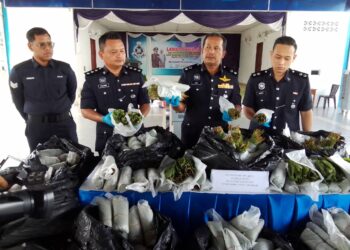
140	183
147	222
124	179
105	210
135	229
120	206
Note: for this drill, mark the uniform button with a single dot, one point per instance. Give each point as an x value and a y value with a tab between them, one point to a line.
225	92
209	117
274	127
119	90
210	107
211	98
132	90
118	80
262	100
277	88
188	124
105	93
212	80
212	89
275	116
104	132
277	98
197	89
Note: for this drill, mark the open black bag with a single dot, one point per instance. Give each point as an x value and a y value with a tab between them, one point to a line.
338	147
218	154
47	207
146	157
91	234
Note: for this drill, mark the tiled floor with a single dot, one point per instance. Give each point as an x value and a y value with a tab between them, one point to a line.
13	141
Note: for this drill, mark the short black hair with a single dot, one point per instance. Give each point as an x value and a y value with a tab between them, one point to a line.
110	35
224	40
285	40
36	31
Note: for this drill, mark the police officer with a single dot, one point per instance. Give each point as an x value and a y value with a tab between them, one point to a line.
208	81
281	89
43	90
113	86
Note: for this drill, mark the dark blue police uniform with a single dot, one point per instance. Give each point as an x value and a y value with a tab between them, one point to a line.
202	103
43	96
287	97
103	90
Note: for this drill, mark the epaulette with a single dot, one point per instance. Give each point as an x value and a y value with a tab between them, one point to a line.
133	68
193	66
260	73
298	73
92	72
230	70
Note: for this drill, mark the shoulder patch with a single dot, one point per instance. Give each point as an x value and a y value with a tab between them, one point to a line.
299	73
92	72
133	68
259	73
193	66
230	70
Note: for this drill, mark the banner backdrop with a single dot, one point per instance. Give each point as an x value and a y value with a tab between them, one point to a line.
137	51
169	57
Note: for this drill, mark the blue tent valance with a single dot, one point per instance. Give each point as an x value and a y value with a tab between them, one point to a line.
209	19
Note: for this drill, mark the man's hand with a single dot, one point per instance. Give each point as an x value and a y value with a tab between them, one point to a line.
226	117
108	119
174	101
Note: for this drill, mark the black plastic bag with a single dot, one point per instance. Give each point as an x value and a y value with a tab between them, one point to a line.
87	159
218	154
90	233
338	147
146	157
28	228
278	240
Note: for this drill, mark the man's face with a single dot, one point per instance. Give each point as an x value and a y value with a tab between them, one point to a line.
213	51
282	57
42	47
113	53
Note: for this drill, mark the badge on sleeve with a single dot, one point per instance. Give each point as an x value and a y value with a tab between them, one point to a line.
103	83
14	85
261	85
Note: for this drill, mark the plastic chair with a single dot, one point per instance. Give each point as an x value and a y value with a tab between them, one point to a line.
331	95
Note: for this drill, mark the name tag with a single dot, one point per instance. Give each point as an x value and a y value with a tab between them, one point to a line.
130	84
30	78
103	85
225	86
59	76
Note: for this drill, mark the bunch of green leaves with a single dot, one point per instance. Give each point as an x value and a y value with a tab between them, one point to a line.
256	137
219	131
119	116
135	118
153	92
260	118
314	144
180	170
329	171
234	113
300	173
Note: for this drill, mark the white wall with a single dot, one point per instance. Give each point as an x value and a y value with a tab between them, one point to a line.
57	21
319	50
249	39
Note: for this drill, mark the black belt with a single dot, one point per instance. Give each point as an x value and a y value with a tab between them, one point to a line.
50	118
